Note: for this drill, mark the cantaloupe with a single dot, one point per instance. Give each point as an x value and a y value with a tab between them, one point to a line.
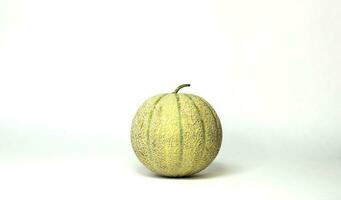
176	134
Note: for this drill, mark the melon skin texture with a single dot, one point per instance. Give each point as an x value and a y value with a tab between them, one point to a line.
176	134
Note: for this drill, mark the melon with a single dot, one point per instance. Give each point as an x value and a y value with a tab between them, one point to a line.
176	134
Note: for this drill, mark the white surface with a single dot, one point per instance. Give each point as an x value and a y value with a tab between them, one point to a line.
109	179
72	74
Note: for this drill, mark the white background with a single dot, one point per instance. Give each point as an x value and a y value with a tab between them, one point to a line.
73	73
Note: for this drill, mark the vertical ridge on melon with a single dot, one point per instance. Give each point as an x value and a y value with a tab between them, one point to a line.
213	132
193	134
141	124
164	135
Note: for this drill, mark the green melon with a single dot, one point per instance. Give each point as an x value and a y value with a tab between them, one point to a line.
176	134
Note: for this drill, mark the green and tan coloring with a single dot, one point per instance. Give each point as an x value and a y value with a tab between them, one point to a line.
176	134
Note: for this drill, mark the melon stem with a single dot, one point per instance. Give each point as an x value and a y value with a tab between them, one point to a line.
180	87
